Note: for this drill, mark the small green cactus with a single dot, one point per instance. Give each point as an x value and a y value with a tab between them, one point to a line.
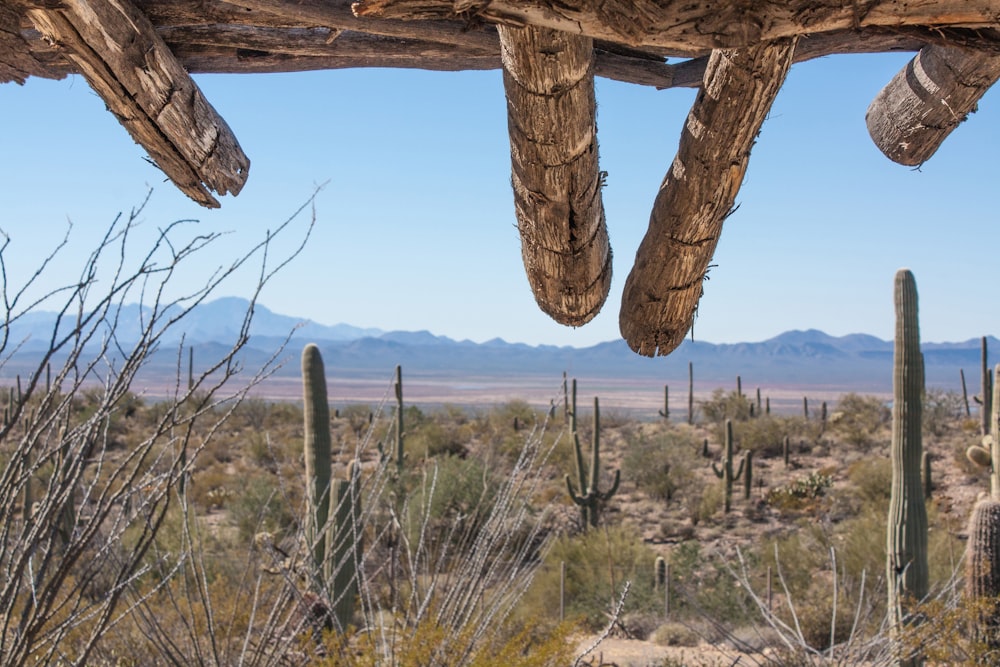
690	393
665	412
726	473
589	498
659	573
747	474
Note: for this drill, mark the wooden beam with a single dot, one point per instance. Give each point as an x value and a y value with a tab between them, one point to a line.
552	120
936	91
130	67
665	285
695	25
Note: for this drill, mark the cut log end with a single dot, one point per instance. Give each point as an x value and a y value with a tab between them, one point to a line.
926	100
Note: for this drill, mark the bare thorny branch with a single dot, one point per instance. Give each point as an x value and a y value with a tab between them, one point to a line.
89	514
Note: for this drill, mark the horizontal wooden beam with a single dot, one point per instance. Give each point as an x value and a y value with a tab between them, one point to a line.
695	25
130	67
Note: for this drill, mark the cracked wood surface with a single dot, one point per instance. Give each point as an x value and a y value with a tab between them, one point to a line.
696	25
552	121
135	73
663	289
932	95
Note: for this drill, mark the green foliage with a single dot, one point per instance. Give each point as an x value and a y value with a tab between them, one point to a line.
451	496
860	420
598	562
764	435
661	465
725	405
704	586
257	505
800	494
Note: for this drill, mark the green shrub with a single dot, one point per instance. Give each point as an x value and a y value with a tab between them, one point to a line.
598	563
259	505
725	405
861	420
800	494
661	465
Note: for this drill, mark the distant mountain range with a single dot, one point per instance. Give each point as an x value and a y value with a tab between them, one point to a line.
795	360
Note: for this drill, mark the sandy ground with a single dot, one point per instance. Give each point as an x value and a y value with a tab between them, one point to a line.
615	652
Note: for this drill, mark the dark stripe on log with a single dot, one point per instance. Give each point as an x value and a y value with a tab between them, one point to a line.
936	91
551	117
132	69
662	291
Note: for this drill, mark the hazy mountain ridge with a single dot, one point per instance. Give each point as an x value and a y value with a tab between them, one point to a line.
793	358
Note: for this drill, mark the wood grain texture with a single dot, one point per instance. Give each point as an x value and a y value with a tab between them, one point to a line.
552	121
696	25
135	73
932	95
665	285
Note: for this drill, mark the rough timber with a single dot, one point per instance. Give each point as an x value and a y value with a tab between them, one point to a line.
138	56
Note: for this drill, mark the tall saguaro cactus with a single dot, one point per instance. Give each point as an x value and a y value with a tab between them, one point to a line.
335	544
906	562
316	411
726	473
590	499
400	431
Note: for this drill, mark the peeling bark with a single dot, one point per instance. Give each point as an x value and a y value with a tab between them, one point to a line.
936	91
662	291
132	69
551	116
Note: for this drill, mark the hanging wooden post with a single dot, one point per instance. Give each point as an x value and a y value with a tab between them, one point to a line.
552	121
665	285
126	62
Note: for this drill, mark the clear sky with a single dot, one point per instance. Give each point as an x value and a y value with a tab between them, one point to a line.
416	227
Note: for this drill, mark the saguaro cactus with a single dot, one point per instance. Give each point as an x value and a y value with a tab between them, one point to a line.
590	499
906	546
335	544
726	473
665	412
690	393
344	545
400	431
982	575
316	411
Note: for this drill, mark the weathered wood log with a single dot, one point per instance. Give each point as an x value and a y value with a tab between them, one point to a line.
18	58
663	289
134	72
936	91
552	120
300	35
694	25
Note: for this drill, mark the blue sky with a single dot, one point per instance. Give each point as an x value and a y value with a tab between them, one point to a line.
416	227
